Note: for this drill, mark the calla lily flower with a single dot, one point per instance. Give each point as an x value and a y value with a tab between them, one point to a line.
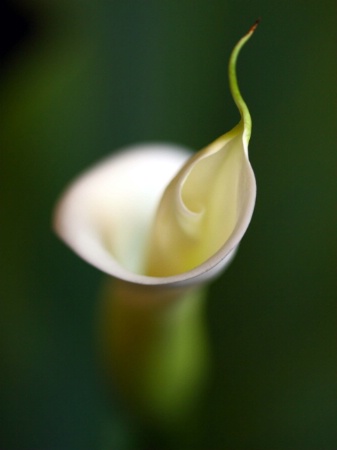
162	221
157	214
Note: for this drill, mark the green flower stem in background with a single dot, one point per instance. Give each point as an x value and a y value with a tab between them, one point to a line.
154	348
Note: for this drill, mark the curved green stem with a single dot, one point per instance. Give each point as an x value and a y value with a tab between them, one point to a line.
233	83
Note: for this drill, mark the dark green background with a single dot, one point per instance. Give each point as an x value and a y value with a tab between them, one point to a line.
91	76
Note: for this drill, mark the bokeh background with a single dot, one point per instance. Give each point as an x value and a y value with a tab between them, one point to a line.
80	79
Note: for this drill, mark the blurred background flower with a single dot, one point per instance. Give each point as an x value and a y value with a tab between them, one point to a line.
80	79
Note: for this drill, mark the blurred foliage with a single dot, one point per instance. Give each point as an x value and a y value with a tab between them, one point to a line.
82	78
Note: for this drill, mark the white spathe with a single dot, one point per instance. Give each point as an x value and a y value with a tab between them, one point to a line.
157	214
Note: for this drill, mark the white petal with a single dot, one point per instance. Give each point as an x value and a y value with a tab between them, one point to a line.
106	215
